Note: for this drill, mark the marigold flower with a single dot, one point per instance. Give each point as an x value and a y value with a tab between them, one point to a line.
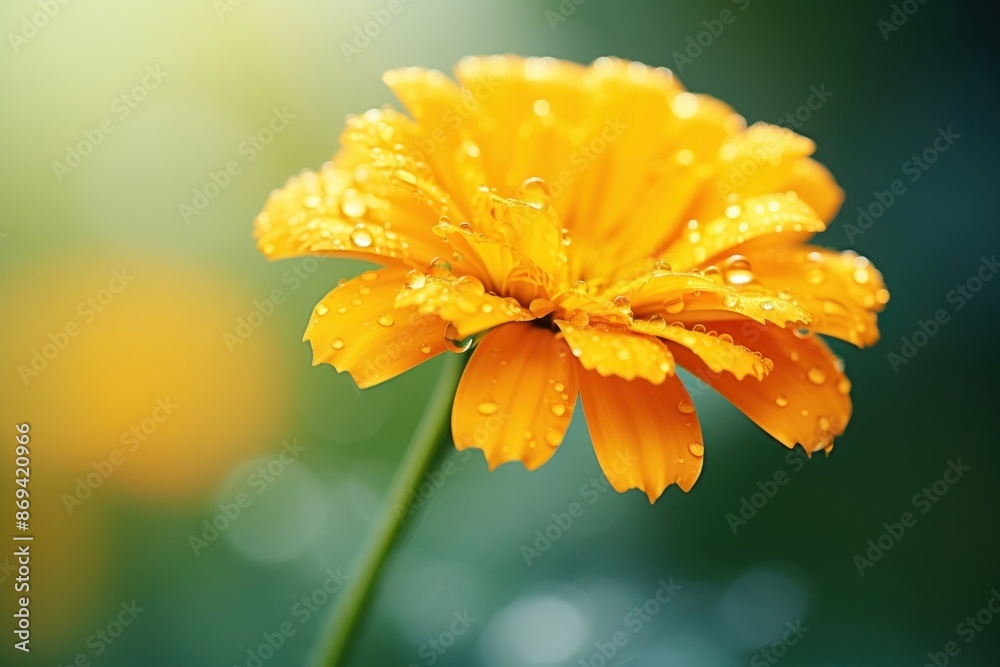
591	228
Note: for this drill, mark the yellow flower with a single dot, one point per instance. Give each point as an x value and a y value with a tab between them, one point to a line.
592	228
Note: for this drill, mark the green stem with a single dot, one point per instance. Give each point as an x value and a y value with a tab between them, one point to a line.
430	437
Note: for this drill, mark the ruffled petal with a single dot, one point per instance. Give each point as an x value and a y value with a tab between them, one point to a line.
719	352
783	214
804	398
620	352
842	291
646	436
462	301
516	397
358	328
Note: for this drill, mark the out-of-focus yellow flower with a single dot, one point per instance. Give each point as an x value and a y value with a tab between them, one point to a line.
591	228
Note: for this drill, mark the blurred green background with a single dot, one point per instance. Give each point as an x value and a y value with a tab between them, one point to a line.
173	90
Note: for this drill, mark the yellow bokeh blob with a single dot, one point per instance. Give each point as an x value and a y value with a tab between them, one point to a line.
121	361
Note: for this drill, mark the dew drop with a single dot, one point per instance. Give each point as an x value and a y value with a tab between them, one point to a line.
425	348
781	401
540	307
696	449
816	376
657	322
488	408
558	409
385	319
361	238
674	306
580	318
823	423
439	268
322	310
536	192
844	386
415	279
730	301
685	407
337	343
454	341
738	270
699	328
470	285
354	207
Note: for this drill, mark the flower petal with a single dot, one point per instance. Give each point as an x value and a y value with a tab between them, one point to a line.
718	352
646	436
693	298
758	216
358	328
614	351
462	301
842	291
516	396
804	398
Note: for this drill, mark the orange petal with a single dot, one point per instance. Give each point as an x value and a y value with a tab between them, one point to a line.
816	186
804	398
358	328
694	298
463	301
438	105
613	351
782	214
646	436
718	352
516	396
842	291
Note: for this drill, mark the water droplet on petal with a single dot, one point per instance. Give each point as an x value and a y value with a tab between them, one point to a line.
337	343
738	270
385	319
730	301
657	322
685	407
580	318
415	279
844	386
823	423
781	401
816	376
536	192
425	348
454	341
696	449
674	305
361	238
470	285
488	408
322	310
439	268
554	436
